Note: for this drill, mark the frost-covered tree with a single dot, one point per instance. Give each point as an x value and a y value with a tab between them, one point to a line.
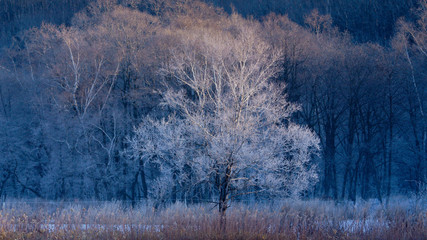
232	130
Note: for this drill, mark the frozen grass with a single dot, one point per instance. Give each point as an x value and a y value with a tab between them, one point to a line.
402	219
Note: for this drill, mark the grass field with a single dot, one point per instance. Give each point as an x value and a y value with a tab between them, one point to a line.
400	219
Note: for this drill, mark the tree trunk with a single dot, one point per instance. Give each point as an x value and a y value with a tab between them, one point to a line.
329	181
390	143
223	199
143	180
134	188
349	147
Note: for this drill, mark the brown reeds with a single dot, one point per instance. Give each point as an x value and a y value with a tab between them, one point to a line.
278	220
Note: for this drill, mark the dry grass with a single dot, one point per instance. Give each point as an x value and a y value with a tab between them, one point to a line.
275	220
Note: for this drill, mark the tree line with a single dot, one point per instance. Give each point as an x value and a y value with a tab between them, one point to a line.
112	106
366	20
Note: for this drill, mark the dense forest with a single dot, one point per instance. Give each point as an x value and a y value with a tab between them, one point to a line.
365	20
213	100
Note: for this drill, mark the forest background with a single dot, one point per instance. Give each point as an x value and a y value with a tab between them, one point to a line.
78	77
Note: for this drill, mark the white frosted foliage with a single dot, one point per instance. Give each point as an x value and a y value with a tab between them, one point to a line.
232	130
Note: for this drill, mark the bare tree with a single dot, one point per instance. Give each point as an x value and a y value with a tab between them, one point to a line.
410	43
237	124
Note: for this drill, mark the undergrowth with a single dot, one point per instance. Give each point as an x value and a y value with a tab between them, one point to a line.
400	219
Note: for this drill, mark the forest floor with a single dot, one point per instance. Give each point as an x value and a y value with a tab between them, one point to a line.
315	219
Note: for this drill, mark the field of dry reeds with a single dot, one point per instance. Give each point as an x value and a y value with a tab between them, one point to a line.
315	219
